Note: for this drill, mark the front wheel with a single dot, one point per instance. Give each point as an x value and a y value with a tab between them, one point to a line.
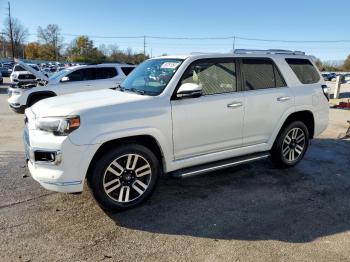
124	177
291	145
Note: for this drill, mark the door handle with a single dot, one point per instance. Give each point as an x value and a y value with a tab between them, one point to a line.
234	104
88	85
283	98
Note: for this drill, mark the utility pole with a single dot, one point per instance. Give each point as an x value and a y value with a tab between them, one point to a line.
144	46
11	32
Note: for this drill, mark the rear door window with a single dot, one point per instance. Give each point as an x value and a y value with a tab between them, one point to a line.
127	70
304	70
261	73
105	72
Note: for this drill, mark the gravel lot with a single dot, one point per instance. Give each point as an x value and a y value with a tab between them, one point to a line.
249	213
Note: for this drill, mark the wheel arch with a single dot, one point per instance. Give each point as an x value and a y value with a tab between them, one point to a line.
145	140
305	116
39	93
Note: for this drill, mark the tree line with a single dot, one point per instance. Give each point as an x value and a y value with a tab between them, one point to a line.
50	46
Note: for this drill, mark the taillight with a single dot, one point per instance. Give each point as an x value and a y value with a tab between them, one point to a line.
326	90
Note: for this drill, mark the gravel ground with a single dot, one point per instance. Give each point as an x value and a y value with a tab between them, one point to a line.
252	212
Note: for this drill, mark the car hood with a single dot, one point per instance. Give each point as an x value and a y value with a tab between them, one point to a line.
38	74
77	103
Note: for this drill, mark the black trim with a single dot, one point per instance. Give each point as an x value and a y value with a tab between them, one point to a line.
40	93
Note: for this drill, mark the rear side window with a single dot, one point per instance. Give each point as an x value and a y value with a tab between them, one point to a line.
261	73
127	70
105	72
216	76
304	70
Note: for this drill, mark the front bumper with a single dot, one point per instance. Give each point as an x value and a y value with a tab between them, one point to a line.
68	174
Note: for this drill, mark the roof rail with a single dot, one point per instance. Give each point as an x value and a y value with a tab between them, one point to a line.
268	51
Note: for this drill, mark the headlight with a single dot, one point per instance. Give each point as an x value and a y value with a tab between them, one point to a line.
59	126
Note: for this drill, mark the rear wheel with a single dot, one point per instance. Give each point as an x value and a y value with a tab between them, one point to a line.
124	177
291	145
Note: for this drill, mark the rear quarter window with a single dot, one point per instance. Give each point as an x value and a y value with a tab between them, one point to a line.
304	70
127	70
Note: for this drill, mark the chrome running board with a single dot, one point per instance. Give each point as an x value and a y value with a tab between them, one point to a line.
205	168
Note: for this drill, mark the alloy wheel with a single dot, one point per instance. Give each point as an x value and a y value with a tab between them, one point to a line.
293	144
127	178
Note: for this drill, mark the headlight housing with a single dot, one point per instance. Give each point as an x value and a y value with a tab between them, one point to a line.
59	126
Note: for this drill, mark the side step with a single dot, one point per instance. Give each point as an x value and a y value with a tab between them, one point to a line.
205	168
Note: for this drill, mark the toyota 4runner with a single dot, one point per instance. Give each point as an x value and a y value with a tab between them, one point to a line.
181	115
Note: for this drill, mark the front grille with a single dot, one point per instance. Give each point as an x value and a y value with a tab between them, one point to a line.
26	77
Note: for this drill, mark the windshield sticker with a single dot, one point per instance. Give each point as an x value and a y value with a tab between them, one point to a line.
170	65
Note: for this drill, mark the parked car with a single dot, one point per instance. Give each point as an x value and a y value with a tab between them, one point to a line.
329	76
1	79
21	75
66	81
5	70
215	111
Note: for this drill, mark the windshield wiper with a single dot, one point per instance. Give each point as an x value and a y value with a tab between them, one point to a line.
119	87
138	91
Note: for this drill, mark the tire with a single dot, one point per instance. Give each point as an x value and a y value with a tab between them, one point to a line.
124	177
290	145
36	99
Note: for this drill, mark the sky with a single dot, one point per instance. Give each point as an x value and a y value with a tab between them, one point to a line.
290	20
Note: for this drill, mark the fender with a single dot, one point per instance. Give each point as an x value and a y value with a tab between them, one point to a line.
160	138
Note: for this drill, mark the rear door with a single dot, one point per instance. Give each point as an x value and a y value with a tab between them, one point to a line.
106	77
267	98
79	80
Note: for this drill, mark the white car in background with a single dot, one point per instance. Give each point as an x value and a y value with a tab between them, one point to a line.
69	80
21	75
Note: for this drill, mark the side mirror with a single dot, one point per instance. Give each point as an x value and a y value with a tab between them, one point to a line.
189	90
65	79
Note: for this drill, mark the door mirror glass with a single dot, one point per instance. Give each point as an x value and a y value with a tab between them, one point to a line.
189	90
65	79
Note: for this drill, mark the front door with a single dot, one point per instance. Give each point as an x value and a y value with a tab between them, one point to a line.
214	121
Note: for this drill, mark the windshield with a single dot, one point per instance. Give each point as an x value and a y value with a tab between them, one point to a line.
58	74
152	76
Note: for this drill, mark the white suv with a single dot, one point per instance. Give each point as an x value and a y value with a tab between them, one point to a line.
182	115
21	75
66	81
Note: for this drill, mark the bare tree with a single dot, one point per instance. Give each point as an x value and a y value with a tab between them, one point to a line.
50	37
14	29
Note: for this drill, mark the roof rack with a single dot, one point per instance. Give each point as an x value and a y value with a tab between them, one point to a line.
268	51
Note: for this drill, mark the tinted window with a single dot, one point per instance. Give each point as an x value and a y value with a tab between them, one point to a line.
19	68
216	76
105	72
127	70
260	73
82	74
76	75
304	70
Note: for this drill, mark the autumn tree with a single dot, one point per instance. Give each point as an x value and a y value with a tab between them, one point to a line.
33	50
51	40
82	50
346	65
